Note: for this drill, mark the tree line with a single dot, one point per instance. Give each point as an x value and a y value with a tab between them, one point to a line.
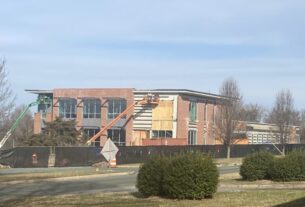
233	112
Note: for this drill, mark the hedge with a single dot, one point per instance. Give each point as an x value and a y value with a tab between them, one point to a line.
256	166
184	176
289	168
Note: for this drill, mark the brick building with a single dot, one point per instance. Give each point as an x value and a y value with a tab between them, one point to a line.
258	133
182	116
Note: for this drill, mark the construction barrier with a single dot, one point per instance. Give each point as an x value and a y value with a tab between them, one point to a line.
87	156
112	163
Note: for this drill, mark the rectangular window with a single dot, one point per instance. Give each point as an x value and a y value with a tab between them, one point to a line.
193	111
43	109
67	108
205	112
116	107
118	136
162	134
192	134
90	132
92	108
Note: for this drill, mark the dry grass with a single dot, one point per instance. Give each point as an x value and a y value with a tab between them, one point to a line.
46	175
274	198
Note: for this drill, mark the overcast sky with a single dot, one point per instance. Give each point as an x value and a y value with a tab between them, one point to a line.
156	44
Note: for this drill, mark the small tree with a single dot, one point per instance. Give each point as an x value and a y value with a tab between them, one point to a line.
57	133
227	119
282	115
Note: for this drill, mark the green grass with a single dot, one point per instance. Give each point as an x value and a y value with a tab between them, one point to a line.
257	198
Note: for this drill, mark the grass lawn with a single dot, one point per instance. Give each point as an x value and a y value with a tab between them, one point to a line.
275	198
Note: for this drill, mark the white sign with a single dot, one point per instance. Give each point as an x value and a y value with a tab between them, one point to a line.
109	150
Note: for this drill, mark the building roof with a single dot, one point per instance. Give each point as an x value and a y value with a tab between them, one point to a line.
37	91
181	91
159	91
266	126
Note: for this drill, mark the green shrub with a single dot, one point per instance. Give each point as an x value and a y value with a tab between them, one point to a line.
299	158
256	166
190	176
150	176
289	168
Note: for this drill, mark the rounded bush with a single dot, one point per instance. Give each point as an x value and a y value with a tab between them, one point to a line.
289	168
190	176
256	166
150	176
299	158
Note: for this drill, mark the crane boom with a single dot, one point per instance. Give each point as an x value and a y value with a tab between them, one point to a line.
149	99
40	100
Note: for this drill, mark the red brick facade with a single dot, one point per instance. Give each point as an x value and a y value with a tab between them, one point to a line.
203	125
204	128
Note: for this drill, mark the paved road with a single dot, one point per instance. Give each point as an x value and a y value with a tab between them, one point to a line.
123	181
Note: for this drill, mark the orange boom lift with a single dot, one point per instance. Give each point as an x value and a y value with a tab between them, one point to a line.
148	99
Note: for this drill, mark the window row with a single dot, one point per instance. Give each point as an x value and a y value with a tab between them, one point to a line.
161	134
91	108
118	136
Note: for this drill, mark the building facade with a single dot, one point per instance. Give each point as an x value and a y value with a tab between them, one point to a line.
181	117
258	133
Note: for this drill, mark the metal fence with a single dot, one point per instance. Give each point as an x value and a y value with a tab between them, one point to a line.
86	156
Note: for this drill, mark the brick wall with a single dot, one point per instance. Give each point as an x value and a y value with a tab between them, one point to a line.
204	128
183	116
37	123
101	94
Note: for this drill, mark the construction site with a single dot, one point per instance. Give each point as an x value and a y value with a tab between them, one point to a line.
139	124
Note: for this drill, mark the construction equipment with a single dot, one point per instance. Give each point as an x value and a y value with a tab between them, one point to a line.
40	100
148	99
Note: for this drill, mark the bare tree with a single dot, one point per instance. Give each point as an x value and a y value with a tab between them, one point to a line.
282	115
7	100
227	119
252	113
25	128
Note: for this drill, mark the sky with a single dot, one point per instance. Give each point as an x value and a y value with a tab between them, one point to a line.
153	44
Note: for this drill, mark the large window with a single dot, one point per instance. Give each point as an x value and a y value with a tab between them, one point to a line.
90	132
115	107
117	136
92	108
193	111
67	108
43	109
162	134
192	137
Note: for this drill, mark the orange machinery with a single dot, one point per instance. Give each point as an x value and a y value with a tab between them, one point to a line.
148	99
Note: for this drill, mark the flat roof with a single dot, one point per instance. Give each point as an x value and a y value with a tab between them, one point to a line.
160	91
38	91
181	91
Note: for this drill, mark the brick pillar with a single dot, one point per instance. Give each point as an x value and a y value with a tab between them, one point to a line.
37	123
